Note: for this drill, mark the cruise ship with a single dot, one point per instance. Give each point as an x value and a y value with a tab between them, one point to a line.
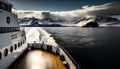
16	53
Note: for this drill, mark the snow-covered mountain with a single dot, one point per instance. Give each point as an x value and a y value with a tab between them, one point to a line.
39	22
84	22
101	21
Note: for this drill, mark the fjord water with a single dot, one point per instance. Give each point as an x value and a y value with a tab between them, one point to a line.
92	48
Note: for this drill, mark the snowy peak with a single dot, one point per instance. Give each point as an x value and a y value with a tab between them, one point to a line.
35	22
101	21
98	21
106	19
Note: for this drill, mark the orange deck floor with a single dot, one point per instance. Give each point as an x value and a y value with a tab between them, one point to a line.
38	59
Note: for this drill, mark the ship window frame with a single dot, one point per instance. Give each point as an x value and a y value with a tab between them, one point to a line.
23	41
11	49
0	55
15	46
6	52
22	35
19	44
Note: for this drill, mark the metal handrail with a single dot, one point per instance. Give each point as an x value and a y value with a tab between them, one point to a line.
71	58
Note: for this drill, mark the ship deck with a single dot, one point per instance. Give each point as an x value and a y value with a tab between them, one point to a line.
38	59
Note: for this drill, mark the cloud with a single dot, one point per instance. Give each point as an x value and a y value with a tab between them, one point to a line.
31	13
109	9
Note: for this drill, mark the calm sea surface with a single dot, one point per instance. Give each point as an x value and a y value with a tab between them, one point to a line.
92	48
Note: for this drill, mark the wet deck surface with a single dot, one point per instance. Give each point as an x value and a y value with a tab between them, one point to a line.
38	59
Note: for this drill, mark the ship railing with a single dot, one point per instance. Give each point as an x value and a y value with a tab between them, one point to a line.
59	50
71	58
9	29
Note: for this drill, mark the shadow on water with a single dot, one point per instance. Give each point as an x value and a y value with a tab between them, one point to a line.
92	48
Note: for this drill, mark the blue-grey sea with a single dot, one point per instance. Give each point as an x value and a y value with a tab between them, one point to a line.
92	48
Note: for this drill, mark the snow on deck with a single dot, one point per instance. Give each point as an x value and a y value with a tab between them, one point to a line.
37	34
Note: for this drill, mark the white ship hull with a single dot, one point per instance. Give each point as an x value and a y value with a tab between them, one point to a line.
12	45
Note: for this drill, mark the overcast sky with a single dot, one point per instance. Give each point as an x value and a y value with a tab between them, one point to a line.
107	9
56	5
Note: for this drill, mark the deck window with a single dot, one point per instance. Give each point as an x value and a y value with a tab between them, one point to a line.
0	55
5	52
15	46
11	49
18	44
9	29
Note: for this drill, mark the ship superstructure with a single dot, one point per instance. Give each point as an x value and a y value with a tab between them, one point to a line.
12	37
